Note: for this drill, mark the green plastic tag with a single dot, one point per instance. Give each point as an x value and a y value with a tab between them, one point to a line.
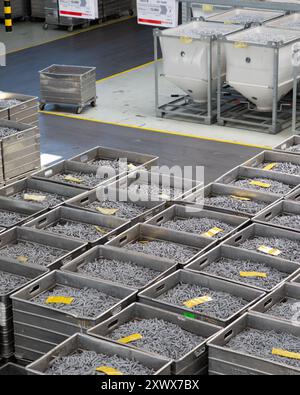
189	315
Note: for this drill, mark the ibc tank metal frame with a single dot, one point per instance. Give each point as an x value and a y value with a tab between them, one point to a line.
238	110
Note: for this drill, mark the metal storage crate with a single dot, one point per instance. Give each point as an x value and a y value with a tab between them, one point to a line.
88	200
286	293
203	263
147	233
289	145
285	207
53	18
185	212
38	327
134	160
192	362
25	112
243	363
235	194
37	9
258	230
60	192
79	342
62	84
107	226
20	151
70	248
67	168
243	172
24	212
117	8
163	266
151	296
30	272
19	9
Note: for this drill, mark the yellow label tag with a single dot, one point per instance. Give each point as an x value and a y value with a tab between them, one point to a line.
34	198
260	184
73	179
286	354
228	23
253	274
22	259
129	339
240	198
59	300
100	230
143	241
270	166
269	250
109	371
186	40
107	211
196	301
207	8
240	44
212	232
131	166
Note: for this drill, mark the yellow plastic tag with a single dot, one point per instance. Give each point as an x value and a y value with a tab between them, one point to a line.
228	23
131	166
240	198
253	274
240	44
270	166
129	339
143	241
34	198
196	301
286	354
107	211
207	8
22	259
269	250
186	40
59	300
109	371
260	184
212	232
73	179
100	230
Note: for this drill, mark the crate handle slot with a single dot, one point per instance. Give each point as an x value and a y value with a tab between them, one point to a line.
123	240
34	289
160	219
42	221
268	215
268	302
112	324
297	196
84	200
228	335
20	136
239	238
160	287
202	263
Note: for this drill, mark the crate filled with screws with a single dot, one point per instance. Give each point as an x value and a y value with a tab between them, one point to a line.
260	180
164	243
76	174
79	225
41	193
20	148
85	355
161	332
232	200
282	304
19	108
120	162
201	297
255	345
276	162
246	17
284	215
115	202
59	305
30	246
13	276
269	241
206	223
120	266
244	267
290	145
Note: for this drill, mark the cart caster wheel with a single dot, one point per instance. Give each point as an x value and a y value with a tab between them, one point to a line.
42	106
45	26
70	29
79	110
93	103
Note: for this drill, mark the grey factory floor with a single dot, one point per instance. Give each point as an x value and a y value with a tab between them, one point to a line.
114	49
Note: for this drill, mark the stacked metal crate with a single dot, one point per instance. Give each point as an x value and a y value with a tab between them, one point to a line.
19	108
52	17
